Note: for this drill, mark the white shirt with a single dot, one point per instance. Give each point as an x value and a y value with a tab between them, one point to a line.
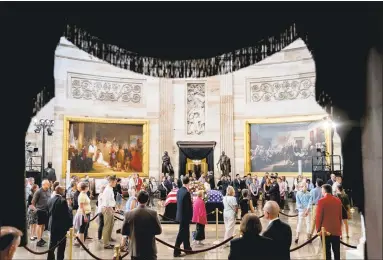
132	183
99	203
334	187
91	149
108	200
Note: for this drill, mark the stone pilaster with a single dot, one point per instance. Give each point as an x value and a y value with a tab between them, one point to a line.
227	118
166	120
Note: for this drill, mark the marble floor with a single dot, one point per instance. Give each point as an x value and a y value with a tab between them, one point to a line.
311	251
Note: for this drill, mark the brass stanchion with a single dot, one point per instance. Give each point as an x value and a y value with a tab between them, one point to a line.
70	236
117	252
216	242
323	233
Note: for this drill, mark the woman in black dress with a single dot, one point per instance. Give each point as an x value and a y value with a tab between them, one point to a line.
345	206
246	204
266	188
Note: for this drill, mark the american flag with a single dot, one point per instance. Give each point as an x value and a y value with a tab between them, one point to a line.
172	197
214	196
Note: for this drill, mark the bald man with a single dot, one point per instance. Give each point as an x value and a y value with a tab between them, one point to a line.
277	230
40	205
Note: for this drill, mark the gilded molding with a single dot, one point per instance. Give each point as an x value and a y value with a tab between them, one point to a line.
145	137
275	120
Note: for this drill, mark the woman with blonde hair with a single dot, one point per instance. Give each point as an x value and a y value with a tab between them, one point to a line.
199	217
230	208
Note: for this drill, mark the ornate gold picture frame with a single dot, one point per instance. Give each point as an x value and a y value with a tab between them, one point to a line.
70	121
279	120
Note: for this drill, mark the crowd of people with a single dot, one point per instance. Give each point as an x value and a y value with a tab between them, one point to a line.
56	208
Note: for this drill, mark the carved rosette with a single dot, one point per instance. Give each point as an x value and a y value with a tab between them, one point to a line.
196	108
288	89
102	90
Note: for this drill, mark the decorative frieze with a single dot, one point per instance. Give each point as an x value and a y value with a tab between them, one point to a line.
196	108
284	89
105	90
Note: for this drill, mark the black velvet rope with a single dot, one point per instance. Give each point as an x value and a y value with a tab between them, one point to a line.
290	216
305	243
93	218
345	244
124	255
87	250
194	251
120	219
47	251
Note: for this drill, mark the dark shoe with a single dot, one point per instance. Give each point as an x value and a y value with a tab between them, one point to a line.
179	255
296	241
40	244
33	238
109	247
89	238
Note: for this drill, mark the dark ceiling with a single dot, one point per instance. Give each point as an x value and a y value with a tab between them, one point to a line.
182	30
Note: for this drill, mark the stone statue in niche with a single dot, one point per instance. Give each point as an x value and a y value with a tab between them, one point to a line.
167	166
195	108
224	164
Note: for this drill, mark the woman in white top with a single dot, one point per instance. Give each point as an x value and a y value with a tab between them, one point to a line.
229	212
84	211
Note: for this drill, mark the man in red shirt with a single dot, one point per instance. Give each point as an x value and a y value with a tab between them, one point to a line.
329	216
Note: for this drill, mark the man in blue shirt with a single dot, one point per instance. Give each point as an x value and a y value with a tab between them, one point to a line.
304	203
316	194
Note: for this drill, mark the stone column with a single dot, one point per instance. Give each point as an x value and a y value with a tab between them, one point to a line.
227	118
166	120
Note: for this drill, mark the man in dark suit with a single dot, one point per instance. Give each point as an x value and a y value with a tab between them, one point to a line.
250	229
183	216
329	215
60	221
273	192
143	226
277	230
237	186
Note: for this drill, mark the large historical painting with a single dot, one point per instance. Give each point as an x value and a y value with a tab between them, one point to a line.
105	147
285	147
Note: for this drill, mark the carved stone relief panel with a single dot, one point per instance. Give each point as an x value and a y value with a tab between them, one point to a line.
105	89
282	89
196	108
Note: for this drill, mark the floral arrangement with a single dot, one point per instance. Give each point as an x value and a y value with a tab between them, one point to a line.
195	186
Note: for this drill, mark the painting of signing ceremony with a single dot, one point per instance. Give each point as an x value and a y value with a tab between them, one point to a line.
285	147
102	147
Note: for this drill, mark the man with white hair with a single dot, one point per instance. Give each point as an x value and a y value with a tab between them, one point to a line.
332	179
277	230
40	205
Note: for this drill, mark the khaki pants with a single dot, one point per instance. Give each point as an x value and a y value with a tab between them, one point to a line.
108	225
313	218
